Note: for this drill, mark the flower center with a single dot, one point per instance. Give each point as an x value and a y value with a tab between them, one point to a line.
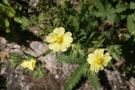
100	61
59	40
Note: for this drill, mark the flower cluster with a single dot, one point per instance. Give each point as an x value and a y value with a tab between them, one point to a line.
30	64
60	41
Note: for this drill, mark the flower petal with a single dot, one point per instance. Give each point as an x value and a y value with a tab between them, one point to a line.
107	57
91	58
68	34
24	63
63	48
54	46
99	52
51	37
56	30
59	31
67	37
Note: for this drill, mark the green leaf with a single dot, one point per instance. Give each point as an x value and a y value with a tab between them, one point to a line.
93	79
131	22
9	11
115	51
98	13
6	2
18	20
68	59
6	22
120	8
29	55
113	18
132	5
41	17
98	4
45	53
75	77
14	59
25	23
38	73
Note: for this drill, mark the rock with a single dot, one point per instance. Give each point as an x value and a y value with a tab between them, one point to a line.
19	78
115	80
37	48
3	42
34	2
131	83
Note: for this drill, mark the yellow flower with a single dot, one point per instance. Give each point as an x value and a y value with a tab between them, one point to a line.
29	64
59	40
98	60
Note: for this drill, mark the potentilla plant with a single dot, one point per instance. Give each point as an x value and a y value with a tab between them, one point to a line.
90	64
90	36
28	63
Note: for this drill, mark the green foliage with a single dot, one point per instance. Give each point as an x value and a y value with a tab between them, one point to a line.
28	22
10	16
14	59
77	51
7	9
115	51
29	55
132	5
131	22
69	59
98	4
93	80
38	73
75	77
32	21
45	53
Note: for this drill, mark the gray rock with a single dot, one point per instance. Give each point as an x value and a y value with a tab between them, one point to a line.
116	81
3	42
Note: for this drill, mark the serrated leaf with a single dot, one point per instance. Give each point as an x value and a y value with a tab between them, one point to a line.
98	4
38	73
75	77
97	13
25	23
120	8
9	11
113	18
93	79
132	5
18	20
115	51
41	17
68	59
14	59
131	22
45	53
29	55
